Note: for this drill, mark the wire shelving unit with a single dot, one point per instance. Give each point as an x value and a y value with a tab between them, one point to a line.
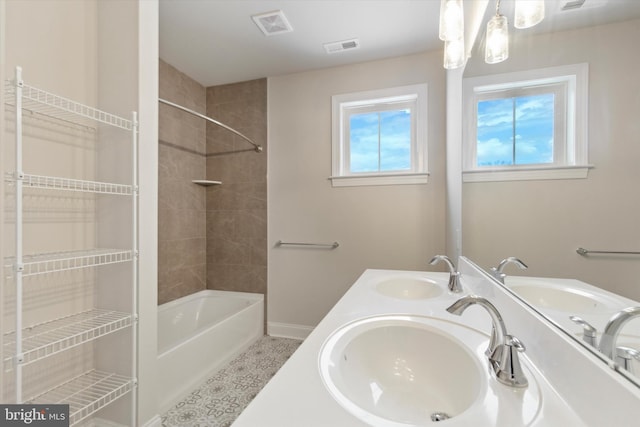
86	394
27	344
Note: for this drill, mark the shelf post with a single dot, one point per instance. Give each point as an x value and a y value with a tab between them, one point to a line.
134	266
19	174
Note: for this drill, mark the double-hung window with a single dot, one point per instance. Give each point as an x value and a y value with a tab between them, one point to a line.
526	125
379	137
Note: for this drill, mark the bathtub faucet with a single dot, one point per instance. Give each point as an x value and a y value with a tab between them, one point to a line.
454	276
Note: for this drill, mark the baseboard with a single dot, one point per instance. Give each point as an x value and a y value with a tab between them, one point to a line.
288	330
156	421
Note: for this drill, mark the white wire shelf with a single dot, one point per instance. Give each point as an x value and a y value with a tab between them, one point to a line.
72	260
68	184
51	337
86	393
48	104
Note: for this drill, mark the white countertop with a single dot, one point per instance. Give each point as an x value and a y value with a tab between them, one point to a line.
297	396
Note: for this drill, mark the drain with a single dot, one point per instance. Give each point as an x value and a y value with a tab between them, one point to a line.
439	416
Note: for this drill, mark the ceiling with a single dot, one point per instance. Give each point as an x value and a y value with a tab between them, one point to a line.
217	42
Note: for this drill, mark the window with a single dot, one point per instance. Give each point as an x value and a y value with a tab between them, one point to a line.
379	137
530	125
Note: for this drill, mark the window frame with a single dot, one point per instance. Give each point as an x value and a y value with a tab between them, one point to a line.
345	105
570	155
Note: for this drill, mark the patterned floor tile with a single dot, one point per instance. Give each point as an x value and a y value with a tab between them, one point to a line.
219	400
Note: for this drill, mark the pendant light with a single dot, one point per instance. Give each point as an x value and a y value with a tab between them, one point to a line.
528	13
497	43
454	54
452	32
451	20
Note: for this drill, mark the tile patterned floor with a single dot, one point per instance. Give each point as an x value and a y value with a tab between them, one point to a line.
218	401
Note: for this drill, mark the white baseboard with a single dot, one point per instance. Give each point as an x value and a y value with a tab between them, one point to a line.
288	330
154	422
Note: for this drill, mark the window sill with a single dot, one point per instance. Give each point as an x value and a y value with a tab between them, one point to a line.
526	173
395	179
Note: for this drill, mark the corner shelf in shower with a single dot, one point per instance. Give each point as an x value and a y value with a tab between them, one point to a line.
26	344
51	337
86	393
206	182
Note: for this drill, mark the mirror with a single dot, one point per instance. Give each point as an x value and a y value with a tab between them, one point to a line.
543	222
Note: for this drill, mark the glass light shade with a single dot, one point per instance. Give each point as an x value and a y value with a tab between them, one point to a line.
497	45
454	55
528	13
451	20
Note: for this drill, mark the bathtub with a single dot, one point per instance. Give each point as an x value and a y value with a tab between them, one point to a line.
199	333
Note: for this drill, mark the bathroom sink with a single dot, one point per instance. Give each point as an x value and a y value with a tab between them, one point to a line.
400	370
410	288
564	298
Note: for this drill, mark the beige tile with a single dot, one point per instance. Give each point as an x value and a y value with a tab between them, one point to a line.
174	254
240	278
233	216
180	224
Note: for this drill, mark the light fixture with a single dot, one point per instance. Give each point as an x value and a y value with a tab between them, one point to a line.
451	20
452	32
497	43
454	54
528	13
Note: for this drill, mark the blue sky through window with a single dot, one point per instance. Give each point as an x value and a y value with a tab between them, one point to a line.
515	131
380	141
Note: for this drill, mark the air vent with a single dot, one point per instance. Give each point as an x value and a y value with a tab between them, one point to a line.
575	4
272	23
569	5
341	46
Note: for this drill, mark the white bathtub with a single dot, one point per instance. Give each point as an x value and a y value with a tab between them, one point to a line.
198	333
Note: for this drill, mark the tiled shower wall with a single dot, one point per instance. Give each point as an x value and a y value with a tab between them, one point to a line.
214	237
182	204
237	210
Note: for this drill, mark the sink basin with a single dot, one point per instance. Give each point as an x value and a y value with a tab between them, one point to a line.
410	288
567	299
401	370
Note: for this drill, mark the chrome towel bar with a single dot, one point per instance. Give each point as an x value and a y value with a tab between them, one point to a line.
314	245
583	251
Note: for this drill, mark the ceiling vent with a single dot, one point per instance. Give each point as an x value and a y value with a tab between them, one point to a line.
341	46
567	5
272	23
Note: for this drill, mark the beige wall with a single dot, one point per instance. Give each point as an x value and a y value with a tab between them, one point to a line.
237	209
181	203
39	38
543	222
396	227
90	52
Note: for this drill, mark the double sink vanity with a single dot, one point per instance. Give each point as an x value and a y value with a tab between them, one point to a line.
402	349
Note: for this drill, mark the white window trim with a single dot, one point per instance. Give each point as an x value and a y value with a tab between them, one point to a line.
341	177
576	166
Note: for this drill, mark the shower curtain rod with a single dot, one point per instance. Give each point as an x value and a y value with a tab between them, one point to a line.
258	148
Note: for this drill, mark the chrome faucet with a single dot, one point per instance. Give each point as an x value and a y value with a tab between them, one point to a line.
497	271
611	331
503	348
454	277
589	333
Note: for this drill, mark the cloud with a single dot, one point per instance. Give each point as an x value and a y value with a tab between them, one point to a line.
387	146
